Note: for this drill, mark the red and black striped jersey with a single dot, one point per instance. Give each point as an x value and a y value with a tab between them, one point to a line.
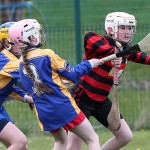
98	83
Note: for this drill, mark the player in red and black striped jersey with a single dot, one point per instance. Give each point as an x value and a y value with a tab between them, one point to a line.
91	92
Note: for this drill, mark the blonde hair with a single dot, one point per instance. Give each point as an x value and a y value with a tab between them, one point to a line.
2	44
39	86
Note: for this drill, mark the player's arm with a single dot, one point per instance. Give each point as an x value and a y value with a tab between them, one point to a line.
20	95
140	57
73	73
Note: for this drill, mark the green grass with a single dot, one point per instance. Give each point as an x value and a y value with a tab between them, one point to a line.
45	141
140	140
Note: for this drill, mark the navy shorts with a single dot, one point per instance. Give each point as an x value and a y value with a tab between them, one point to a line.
89	107
3	123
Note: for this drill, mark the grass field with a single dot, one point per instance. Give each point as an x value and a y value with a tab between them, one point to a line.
140	141
45	142
26	121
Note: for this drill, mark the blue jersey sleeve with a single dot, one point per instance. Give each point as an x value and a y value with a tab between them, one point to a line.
18	93
72	73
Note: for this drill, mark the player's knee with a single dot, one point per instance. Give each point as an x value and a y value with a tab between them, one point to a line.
93	139
126	138
61	142
21	143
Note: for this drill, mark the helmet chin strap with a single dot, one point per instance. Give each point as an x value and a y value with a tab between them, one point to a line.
9	47
34	46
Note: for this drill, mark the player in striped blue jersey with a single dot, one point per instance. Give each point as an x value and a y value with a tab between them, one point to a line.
10	135
41	72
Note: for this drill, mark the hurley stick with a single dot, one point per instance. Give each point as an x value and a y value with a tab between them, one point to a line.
113	117
143	45
114	114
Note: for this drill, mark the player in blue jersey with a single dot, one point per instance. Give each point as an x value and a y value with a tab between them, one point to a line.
41	73
10	135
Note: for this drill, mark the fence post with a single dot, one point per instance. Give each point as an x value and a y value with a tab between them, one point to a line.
77	31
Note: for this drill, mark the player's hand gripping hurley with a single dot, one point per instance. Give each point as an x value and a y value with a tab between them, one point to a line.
143	45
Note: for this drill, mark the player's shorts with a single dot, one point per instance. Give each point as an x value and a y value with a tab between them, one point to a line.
76	121
3	123
4	118
89	107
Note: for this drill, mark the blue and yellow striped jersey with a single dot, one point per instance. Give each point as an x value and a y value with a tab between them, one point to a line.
56	109
9	75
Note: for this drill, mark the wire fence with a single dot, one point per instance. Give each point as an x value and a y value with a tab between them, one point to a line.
58	19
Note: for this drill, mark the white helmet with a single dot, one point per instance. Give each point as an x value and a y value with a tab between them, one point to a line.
35	30
116	19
